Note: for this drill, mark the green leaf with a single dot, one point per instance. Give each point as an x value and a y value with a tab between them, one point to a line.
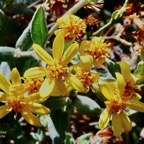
84	138
7	53
55	103
139	72
69	139
39	29
117	14
113	67
58	126
86	105
25	41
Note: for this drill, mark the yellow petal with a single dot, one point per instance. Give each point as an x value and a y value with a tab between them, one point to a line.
117	125
104	119
35	72
31	118
35	97
58	46
121	82
47	87
38	108
136	96
60	88
74	83
87	62
126	123
98	62
135	105
59	31
83	46
107	90
3	96
15	76
125	70
96	77
77	67
43	55
4	110
132	80
70	53
60	20
17	89
4	84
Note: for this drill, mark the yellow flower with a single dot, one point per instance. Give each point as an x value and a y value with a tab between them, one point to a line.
96	48
14	97
117	108
126	81
84	73
72	26
58	79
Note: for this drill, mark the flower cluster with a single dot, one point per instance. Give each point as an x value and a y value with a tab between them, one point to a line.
96	48
121	97
14	97
71	25
72	67
84	74
58	77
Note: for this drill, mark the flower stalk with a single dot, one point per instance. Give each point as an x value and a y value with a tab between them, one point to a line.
115	15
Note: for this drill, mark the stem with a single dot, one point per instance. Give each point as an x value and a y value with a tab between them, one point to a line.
28	53
117	37
104	27
126	3
115	16
72	10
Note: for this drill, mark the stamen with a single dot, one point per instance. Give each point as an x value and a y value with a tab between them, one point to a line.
72	26
16	100
97	48
57	70
33	84
116	104
85	78
127	94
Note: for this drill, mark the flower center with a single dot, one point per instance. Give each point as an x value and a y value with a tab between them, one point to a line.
33	84
127	94
73	27
73	31
115	106
16	103
85	78
97	48
57	70
96	52
16	98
